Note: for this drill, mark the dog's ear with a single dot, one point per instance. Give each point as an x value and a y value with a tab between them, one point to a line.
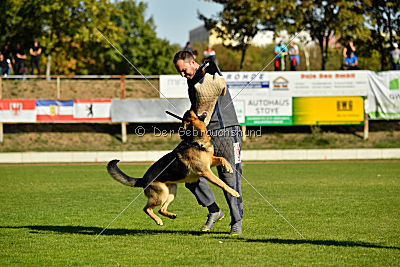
203	116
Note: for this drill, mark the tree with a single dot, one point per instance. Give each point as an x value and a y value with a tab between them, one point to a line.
238	23
383	21
67	30
139	42
325	18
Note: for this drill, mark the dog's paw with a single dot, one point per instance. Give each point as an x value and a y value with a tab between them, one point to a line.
228	168
159	222
234	193
173	216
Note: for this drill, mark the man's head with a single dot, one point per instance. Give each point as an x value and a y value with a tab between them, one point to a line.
185	64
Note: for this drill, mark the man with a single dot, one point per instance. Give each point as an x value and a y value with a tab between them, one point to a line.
35	52
5	66
188	48
280	51
226	138
209	54
351	62
395	57
19	59
294	57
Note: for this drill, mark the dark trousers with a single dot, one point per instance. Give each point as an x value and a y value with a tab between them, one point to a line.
19	65
223	141
35	62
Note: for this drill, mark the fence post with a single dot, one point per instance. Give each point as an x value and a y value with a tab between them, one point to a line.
123	124
58	87
243	133
123	132
1	124
366	121
122	82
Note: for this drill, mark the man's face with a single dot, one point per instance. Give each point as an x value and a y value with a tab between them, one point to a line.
186	69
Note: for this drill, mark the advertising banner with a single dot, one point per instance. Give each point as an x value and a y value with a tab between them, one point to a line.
54	110
261	110
384	96
147	110
328	110
281	83
92	110
16	110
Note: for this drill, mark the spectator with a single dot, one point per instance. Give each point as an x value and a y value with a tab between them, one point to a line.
195	54
209	54
351	62
5	66
394	57
35	52
347	50
294	56
6	52
19	59
280	51
188	48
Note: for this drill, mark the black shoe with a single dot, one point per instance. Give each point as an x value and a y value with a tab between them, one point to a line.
212	218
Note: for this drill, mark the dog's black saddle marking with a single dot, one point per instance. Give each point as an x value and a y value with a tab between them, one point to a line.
195	144
175	171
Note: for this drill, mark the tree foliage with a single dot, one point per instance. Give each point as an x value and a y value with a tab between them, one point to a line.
372	24
238	23
67	30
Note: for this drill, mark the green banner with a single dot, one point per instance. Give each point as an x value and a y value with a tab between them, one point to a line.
268	120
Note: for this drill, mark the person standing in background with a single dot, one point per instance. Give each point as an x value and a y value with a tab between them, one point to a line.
209	54
5	66
280	51
19	60
394	57
294	56
35	52
188	48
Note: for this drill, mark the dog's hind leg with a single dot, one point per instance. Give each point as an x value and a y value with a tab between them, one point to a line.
153	201
172	188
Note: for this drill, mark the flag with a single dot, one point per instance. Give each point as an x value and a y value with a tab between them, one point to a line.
16	110
54	111
92	110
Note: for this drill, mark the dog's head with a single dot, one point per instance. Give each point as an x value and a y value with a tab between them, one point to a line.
193	127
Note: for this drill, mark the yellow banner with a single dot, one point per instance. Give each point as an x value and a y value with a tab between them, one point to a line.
328	110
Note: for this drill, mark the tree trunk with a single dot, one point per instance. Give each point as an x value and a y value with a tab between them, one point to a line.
321	46
48	66
306	57
243	56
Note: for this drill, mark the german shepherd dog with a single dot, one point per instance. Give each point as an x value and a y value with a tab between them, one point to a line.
190	160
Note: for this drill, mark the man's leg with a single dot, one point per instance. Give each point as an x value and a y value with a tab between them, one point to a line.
205	197
224	146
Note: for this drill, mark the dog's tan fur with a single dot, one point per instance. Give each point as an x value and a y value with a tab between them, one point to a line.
198	157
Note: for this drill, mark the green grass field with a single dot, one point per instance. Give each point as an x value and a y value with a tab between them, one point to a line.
347	211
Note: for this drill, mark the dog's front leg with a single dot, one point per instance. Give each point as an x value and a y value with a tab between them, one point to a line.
217	161
209	175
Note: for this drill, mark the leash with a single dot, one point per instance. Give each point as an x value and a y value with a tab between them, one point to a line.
174	115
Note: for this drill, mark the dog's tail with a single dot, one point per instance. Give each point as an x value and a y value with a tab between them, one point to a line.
118	175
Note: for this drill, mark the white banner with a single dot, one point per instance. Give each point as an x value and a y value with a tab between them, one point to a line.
384	96
92	109
284	83
15	110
